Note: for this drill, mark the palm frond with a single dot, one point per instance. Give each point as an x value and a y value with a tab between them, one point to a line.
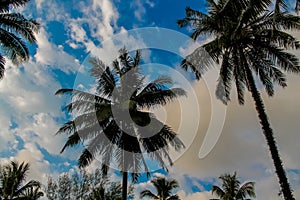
284	60
68	128
104	75
72	141
286	21
148	193
2	66
17	23
14	47
226	73
173	197
85	158
279	38
153	141
280	4
5	5
158	98
218	191
245	190
28	185
80	95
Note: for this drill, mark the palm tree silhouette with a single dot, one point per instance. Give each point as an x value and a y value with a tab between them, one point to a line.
15	30
248	40
116	122
232	188
163	188
12	178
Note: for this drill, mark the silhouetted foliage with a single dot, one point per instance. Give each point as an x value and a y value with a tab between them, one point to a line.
232	189
13	186
248	41
163	187
15	31
115	120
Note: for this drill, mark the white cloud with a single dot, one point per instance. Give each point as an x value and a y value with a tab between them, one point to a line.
48	10
195	196
49	54
28	103
100	19
39	4
44	127
140	9
39	167
6	134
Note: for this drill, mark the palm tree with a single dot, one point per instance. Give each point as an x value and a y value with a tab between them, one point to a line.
31	194
232	188
248	40
15	30
163	188
12	177
103	120
113	192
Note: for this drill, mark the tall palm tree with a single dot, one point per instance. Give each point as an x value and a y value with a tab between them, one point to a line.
163	188
249	42
115	122
12	178
232	188
15	31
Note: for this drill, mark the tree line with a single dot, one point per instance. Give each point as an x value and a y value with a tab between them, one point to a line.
95	185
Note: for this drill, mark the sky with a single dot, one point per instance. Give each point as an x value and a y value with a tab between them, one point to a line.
72	31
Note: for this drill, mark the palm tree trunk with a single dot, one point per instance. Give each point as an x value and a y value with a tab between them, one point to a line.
124	185
268	133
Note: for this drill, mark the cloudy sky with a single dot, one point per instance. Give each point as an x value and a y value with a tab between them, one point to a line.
72	31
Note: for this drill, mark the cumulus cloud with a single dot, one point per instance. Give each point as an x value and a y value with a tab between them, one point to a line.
39	167
241	146
30	113
195	196
49	54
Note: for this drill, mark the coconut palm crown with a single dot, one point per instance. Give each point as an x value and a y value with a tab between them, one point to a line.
116	124
163	188
232	188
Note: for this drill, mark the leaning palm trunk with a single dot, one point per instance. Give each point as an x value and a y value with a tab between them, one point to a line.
268	133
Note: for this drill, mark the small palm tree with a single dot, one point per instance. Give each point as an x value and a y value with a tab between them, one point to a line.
12	177
114	121
32	193
250	43
113	192
15	30
163	188
232	188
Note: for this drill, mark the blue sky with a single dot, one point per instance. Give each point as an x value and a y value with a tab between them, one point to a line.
71	31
